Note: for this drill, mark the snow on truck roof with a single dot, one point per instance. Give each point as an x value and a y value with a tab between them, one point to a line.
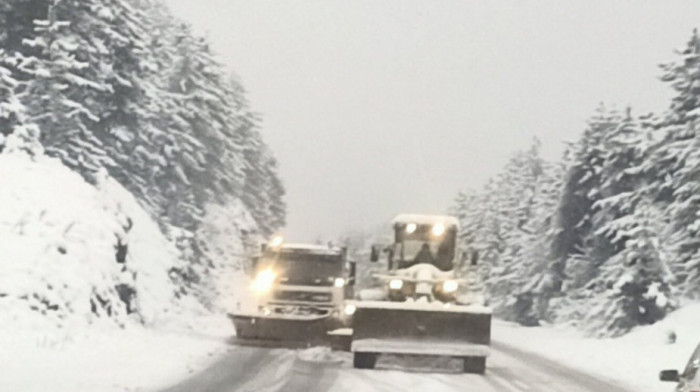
311	248
421	219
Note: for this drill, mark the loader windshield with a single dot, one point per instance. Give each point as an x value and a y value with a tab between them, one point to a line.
421	246
303	268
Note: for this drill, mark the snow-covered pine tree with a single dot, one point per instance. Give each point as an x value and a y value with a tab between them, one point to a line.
507	223
571	255
201	117
16	23
480	230
11	109
631	285
684	211
63	89
617	182
539	284
517	187
208	109
197	170
469	209
16	132
130	125
675	166
681	74
122	84
262	191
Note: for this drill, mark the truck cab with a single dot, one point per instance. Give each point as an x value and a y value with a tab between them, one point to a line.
302	278
296	295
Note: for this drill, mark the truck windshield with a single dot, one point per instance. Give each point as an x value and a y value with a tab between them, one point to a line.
303	268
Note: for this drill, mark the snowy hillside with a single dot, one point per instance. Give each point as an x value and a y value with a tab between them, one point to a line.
86	300
135	181
74	253
127	89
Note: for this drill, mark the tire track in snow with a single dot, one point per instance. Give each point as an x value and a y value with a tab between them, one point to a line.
545	375
308	376
241	369
249	369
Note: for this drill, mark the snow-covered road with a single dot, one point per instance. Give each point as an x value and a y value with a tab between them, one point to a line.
248	369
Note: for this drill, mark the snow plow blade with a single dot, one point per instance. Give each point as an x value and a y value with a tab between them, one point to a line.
421	329
288	331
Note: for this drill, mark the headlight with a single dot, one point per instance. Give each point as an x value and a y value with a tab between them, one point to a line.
449	286
350	309
276	241
411	228
396	284
438	229
339	282
263	282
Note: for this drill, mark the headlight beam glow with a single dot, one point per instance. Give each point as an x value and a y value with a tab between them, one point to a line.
264	280
438	229
396	284
450	286
276	241
350	309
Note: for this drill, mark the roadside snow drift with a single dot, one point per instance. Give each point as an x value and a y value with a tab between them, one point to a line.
634	360
71	252
86	300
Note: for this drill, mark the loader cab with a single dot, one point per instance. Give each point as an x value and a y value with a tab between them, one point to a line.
422	239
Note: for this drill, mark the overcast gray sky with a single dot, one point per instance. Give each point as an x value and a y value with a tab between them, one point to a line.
379	107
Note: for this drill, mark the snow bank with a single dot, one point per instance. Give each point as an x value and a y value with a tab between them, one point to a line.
320	355
86	300
115	360
73	252
634	359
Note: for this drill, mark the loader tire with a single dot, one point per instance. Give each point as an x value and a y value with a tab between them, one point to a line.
364	360
475	365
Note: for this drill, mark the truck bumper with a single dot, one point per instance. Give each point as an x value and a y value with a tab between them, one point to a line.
282	330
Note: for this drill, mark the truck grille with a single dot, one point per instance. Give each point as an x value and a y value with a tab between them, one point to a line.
301	296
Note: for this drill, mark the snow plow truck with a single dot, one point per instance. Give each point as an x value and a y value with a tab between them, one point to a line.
427	307
296	295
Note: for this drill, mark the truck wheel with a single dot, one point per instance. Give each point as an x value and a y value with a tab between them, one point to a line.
364	360
475	365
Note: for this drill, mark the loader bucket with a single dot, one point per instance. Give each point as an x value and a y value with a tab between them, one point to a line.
281	330
421	329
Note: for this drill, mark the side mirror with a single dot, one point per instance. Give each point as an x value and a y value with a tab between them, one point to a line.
472	257
475	257
374	256
352	273
254	264
669	375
